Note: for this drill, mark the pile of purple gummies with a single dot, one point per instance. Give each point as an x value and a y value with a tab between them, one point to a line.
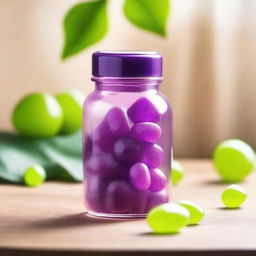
122	161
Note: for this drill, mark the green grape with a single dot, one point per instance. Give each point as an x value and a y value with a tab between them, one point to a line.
72	106
196	212
233	196
177	172
34	175
38	115
234	160
168	218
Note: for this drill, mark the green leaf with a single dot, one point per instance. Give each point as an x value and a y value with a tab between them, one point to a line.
84	25
61	156
151	15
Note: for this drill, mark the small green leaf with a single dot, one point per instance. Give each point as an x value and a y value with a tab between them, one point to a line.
148	14
61	156
84	25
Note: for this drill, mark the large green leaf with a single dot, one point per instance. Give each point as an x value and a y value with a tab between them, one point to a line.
61	156
151	15
84	24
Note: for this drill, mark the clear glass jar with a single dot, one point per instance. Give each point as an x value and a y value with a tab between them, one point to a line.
127	136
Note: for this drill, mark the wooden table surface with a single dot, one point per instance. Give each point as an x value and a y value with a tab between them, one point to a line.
51	220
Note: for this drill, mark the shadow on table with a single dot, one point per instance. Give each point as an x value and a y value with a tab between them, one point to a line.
221	182
158	234
216	182
229	209
73	220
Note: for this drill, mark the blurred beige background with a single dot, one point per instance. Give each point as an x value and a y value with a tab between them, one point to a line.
209	63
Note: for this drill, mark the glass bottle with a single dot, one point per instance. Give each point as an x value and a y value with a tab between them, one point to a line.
127	136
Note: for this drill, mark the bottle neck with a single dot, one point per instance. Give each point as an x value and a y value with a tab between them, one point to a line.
117	84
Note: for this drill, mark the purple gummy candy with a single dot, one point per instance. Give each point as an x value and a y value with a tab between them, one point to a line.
153	156
87	148
95	190
118	121
139	201
102	137
105	165
143	110
156	198
148	132
139	176
119	197
158	180
128	150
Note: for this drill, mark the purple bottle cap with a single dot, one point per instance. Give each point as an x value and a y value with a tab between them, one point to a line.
126	64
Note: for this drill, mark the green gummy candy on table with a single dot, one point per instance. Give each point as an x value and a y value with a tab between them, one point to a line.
177	172
233	196
234	160
34	175
168	218
196	211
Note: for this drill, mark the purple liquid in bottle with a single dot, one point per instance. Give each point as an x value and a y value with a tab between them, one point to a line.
127	136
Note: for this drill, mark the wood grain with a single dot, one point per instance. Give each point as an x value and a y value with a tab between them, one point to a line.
51	220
